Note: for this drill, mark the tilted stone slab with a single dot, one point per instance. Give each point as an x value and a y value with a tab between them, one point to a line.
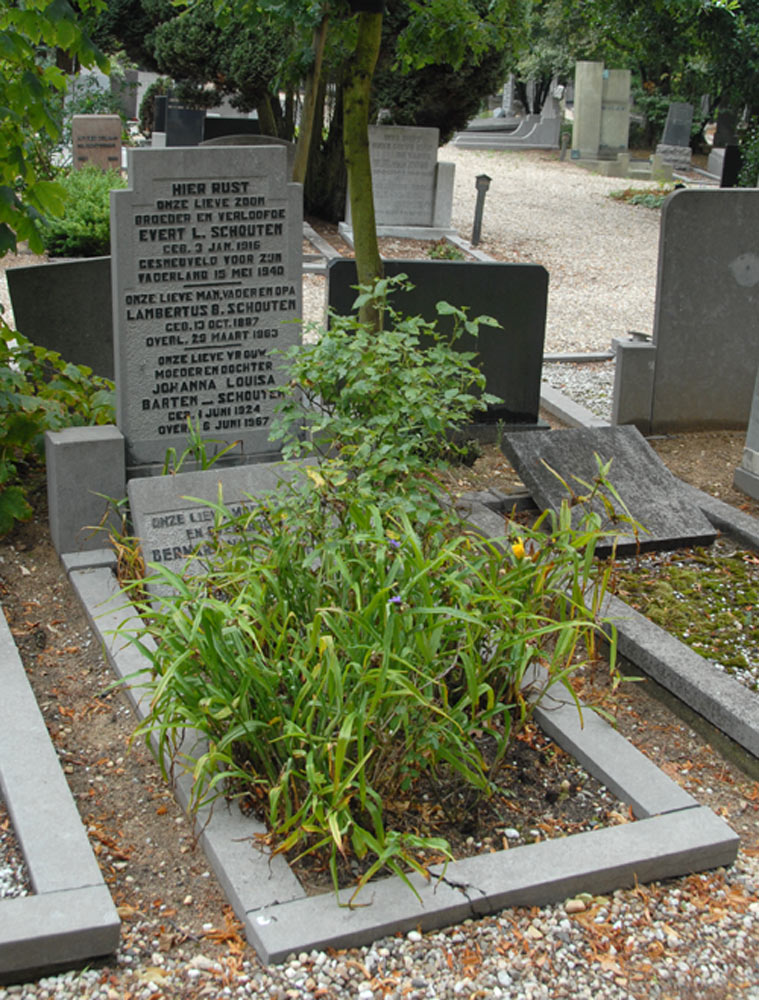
653	496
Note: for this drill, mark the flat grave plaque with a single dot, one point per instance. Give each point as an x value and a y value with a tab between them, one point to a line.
652	494
174	528
206	258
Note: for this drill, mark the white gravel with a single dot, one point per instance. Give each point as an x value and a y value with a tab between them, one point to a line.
691	938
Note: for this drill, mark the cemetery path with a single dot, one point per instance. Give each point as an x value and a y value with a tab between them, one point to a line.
177	933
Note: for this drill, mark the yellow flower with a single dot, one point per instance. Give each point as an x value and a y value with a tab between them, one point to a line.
518	549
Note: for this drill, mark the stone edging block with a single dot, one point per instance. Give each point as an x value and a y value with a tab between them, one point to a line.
673	835
71	917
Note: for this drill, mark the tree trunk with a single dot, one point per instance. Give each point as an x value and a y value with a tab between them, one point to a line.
357	89
309	102
266	119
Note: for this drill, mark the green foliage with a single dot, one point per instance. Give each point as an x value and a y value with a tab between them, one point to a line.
648	197
84	226
39	391
31	96
347	637
386	406
147	106
444	250
88	97
749	156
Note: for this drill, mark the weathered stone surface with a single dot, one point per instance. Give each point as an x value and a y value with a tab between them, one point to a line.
96	141
207	277
651	493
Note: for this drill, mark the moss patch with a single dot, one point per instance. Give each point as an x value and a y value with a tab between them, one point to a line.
708	598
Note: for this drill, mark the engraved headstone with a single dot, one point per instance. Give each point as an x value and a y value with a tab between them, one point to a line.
206	259
184	126
653	496
96	141
678	125
215	126
747	473
176	531
403	174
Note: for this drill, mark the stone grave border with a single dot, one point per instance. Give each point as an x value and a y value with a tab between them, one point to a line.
673	834
70	918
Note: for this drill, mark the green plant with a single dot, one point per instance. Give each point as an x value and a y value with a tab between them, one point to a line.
157	88
39	391
749	145
444	250
84	227
649	197
386	406
88	97
196	451
348	637
335	652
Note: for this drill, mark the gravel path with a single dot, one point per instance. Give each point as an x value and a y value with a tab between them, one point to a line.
691	938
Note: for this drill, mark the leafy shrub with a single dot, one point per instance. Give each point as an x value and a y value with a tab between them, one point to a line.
84	229
443	250
39	391
157	88
749	157
348	637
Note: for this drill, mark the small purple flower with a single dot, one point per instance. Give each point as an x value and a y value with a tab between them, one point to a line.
395	600
394	542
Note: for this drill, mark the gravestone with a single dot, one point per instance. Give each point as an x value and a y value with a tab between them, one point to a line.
515	294
747	473
674	147
206	258
65	306
725	134
160	106
184	126
652	495
698	372
413	193
176	531
96	141
601	112
216	126
731	167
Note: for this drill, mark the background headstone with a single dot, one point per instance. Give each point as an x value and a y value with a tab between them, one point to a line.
96	141
65	306
674	146
404	161
652	495
705	351
615	113
206	258
215	126
184	126
515	294
586	130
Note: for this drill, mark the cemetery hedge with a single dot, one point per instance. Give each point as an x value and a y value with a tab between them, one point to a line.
84	227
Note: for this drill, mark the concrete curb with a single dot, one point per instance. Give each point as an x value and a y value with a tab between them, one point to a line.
71	917
557	405
672	836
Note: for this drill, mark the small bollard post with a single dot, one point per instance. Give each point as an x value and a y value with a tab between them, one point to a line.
482	183
564	146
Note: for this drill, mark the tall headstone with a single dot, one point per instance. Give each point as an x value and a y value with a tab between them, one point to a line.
615	113
698	372
586	131
674	147
96	141
601	112
413	193
206	258
184	126
747	473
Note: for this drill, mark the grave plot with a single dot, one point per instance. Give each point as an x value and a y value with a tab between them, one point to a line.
672	833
